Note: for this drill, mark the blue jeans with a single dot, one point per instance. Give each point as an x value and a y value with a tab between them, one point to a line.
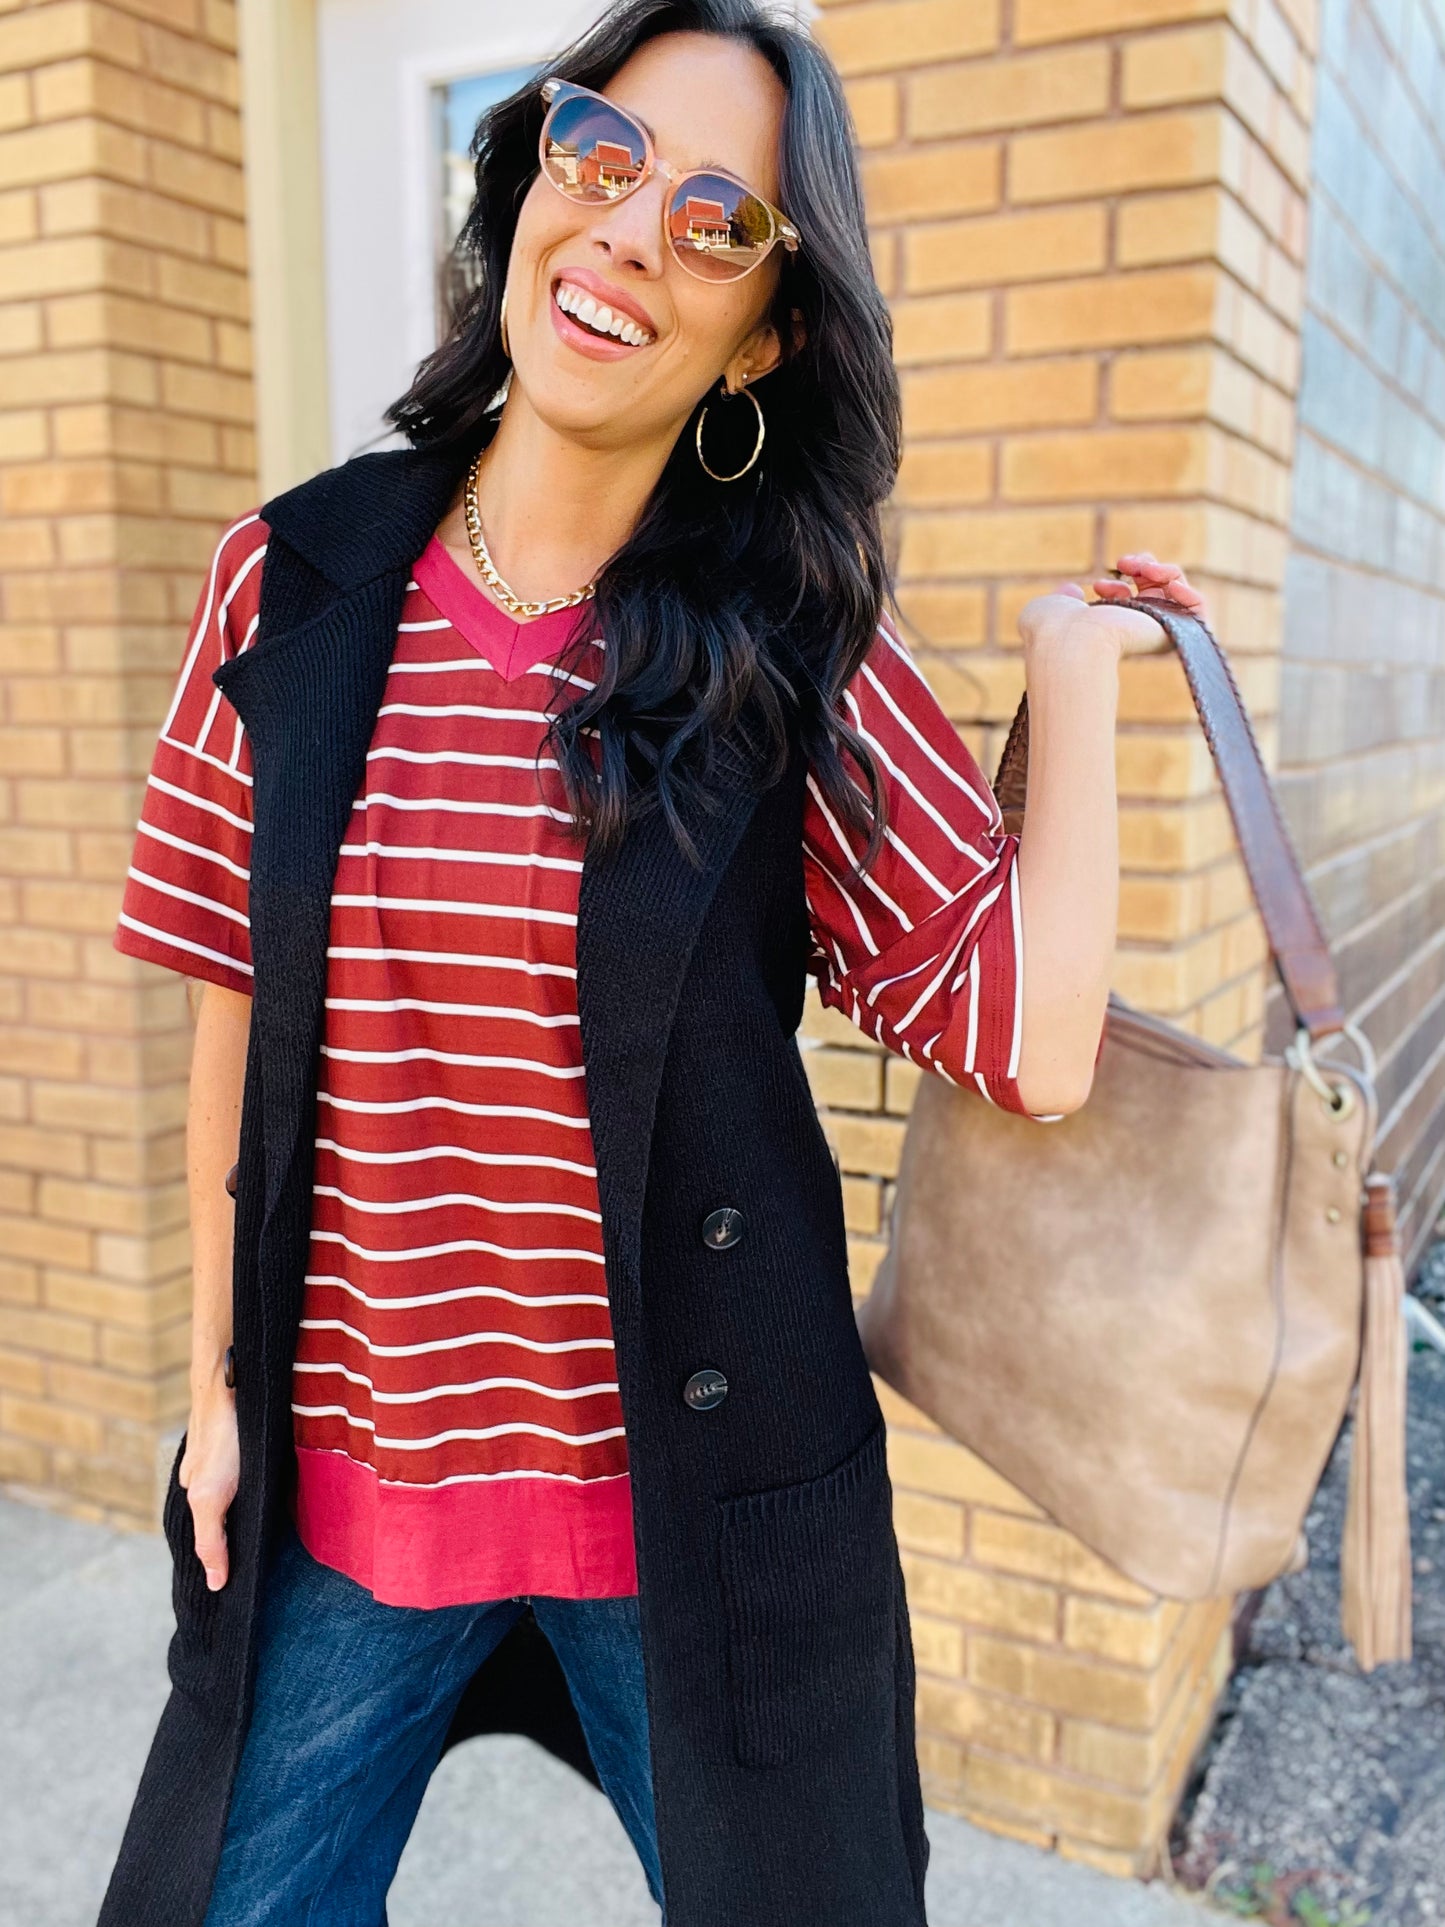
353	1701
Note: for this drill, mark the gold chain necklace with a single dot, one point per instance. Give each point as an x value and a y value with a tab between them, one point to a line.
514	604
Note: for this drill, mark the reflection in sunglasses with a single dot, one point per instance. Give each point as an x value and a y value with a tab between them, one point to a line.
594	152
597	153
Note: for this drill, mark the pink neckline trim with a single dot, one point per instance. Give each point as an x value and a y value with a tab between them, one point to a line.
511	648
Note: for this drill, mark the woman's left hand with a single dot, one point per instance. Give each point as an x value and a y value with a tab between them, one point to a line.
1068	613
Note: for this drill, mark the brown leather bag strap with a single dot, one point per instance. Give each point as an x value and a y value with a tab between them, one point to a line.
1290	919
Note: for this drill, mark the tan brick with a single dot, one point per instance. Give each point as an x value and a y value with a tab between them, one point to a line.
943	618
867	1144
146	1354
937	474
21	327
929	1525
1044	1551
1151	305
197	178
52	1333
38	35
49	1424
1187	64
19	1284
210	290
1020	245
1160	909
22	1238
937	1643
979	1598
956	327
930	182
862	1204
980	1719
97	1391
984	541
1150	383
901	1081
1091	1812
1119	1863
876	108
21	1372
981	97
1102	463
958	401
974	688
24	435
19	217
1122	1633
883	34
850	1079
1182	226
120	1496
865	1255
134	1307
1045	20
23	1462
1044	1676
1111	157
949	1471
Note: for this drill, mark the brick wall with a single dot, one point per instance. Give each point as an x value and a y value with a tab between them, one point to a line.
125	408
1090	218
1363	733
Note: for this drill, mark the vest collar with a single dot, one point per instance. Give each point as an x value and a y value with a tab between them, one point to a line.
372	515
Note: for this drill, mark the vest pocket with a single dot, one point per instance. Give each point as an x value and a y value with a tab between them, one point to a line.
193	1601
808	1585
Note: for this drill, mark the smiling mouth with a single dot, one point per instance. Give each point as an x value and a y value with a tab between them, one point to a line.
598	319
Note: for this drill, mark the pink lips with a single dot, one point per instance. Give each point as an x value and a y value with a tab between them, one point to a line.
599	347
596	347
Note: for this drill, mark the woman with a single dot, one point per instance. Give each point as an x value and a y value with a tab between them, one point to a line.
513	785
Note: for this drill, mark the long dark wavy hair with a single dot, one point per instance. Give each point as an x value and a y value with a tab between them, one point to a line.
735	614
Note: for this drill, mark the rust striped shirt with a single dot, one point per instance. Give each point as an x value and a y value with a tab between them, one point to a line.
457	1422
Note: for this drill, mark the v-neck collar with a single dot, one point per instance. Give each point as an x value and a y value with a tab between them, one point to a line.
510	648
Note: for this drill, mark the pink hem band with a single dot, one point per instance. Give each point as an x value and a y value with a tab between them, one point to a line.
458	1545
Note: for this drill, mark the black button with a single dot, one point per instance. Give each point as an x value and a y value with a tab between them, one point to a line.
722	1228
705	1389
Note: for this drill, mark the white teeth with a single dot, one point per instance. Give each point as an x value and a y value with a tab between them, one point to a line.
598	317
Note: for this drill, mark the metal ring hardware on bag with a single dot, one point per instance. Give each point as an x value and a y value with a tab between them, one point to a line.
1339	1098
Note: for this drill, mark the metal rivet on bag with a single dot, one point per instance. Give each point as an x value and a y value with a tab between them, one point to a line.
1332	1216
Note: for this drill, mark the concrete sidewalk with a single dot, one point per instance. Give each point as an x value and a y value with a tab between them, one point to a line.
506	1837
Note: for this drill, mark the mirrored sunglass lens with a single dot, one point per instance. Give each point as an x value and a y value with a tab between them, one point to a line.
592	151
717	228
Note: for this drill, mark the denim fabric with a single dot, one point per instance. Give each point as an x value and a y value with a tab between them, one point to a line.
353	1701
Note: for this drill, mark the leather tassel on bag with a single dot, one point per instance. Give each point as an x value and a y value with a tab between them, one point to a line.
1375	1557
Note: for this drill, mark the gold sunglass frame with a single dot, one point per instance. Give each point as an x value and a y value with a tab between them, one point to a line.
556	92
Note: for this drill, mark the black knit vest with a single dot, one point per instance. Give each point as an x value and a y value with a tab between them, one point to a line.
775	1633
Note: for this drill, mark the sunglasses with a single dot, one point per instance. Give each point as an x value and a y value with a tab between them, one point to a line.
594	153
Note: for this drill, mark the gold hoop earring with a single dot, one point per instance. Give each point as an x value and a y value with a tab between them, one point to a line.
757	445
502	326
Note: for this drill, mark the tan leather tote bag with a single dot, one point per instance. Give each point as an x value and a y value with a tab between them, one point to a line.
1149	1316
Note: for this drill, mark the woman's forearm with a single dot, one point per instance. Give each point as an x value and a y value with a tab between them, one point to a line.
213	1130
1068	865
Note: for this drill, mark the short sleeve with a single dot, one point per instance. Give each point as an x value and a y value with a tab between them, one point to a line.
187	889
924	951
